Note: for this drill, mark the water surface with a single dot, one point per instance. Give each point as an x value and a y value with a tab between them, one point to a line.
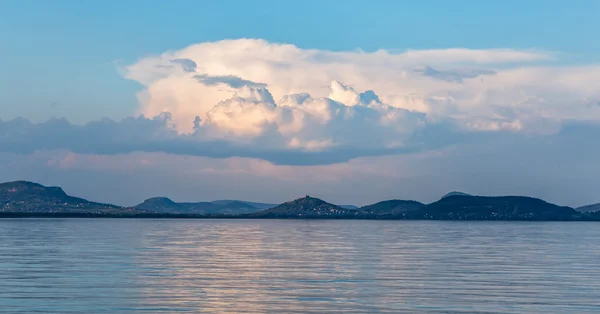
301	266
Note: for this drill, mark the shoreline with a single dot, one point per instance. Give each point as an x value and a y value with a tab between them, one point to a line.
184	216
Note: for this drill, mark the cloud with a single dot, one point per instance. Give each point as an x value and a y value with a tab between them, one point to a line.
186	64
321	144
453	76
298	129
288	105
229	80
346	121
561	168
482	89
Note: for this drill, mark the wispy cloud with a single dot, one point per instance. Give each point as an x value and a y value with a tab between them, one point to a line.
454	75
229	80
186	64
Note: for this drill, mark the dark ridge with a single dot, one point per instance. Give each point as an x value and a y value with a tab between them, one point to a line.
253	204
391	207
306	207
29	199
166	205
159	205
589	208
24	196
455	193
494	208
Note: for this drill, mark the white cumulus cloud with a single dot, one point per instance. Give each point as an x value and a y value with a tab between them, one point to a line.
481	89
299	121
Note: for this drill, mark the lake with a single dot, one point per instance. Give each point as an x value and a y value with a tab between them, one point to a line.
297	266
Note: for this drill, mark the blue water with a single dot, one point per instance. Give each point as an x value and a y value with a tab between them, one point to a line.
282	266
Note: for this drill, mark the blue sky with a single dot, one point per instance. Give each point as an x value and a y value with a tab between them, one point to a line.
353	101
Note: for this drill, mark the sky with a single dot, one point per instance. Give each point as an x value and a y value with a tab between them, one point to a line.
272	100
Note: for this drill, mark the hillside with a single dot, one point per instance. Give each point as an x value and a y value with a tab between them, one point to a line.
493	208
165	205
306	207
456	193
29	197
253	204
391	207
589	208
229	208
160	205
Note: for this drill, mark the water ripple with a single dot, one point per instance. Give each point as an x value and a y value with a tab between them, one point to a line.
281	266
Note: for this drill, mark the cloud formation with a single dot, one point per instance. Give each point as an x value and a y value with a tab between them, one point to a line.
561	168
483	90
186	64
156	135
453	76
263	136
229	80
289	105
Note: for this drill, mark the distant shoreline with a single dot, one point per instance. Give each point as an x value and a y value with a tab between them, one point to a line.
6	215
23	199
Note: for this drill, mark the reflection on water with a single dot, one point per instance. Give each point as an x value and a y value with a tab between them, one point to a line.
281	266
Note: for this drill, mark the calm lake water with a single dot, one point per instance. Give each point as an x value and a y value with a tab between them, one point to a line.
281	266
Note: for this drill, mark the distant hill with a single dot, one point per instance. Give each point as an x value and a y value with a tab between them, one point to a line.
589	208
306	207
268	205
455	193
160	205
29	197
391	207
233	208
253	204
493	208
165	205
